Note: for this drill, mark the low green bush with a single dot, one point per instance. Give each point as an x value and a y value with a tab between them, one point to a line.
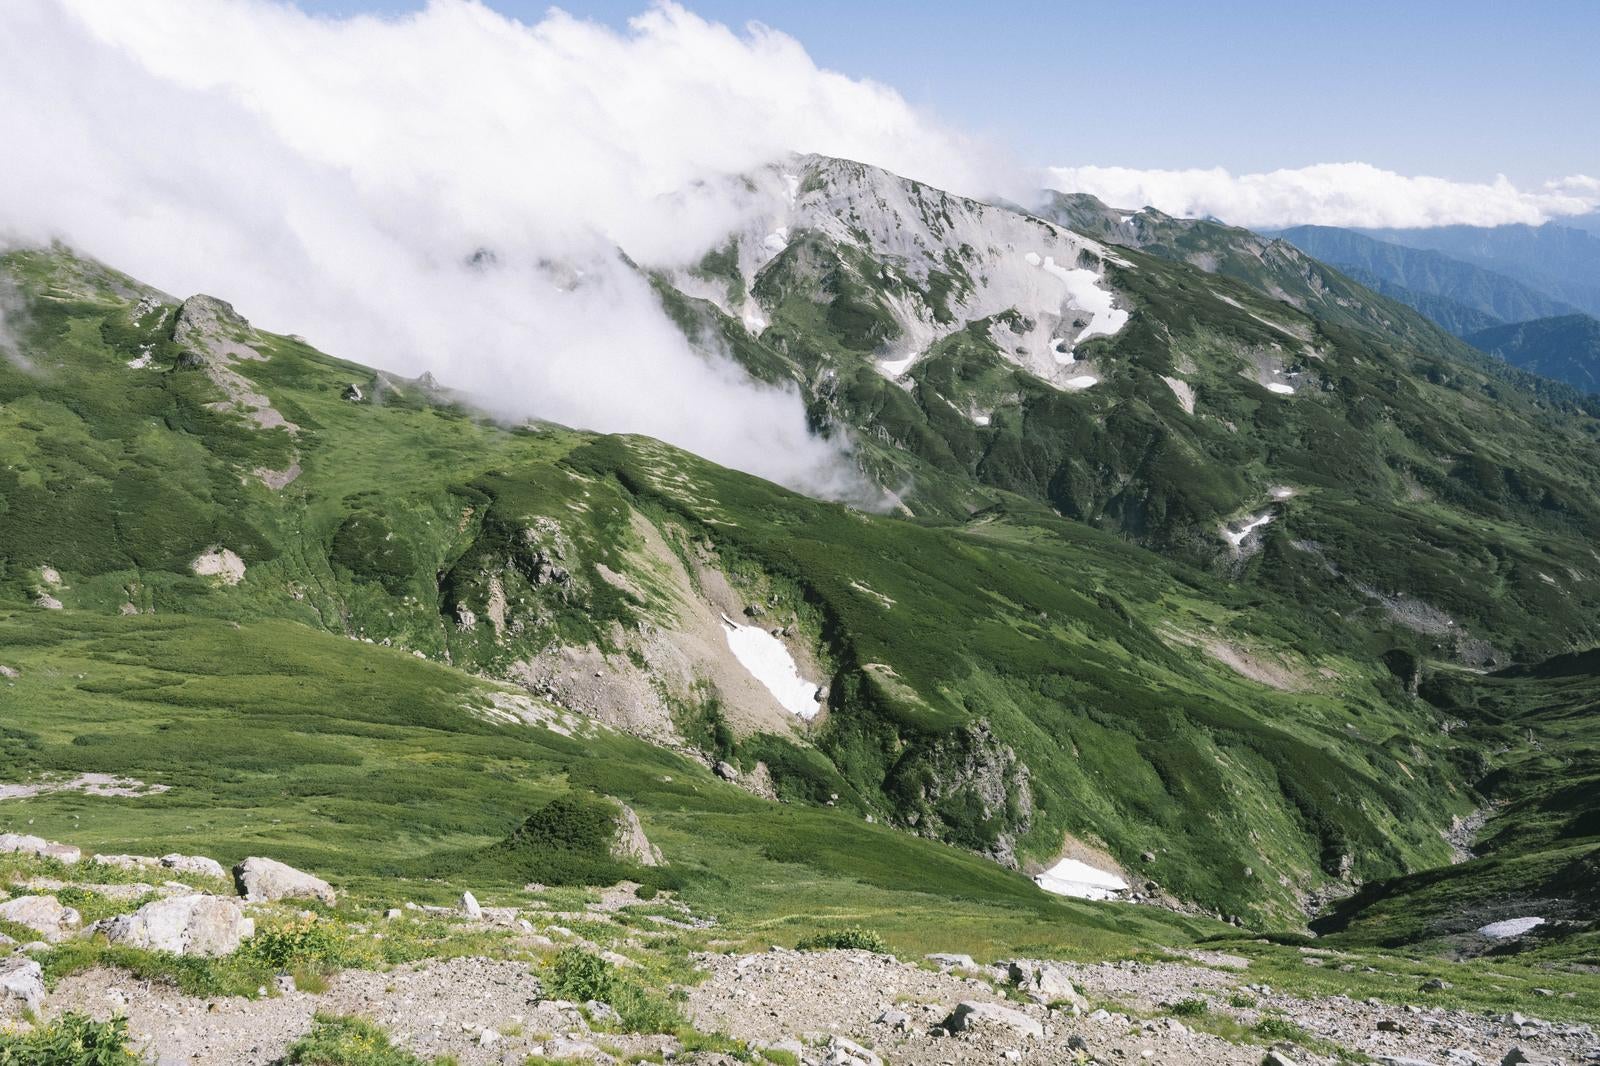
70	1040
341	1040
853	939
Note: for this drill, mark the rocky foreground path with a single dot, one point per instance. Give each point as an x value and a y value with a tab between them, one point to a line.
840	1008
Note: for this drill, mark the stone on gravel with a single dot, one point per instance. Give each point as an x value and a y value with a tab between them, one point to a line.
468	905
1277	1058
727	771
1517	1057
895	1018
182	925
1043	982
968	1015
263	880
46	849
21	985
44	915
843	1052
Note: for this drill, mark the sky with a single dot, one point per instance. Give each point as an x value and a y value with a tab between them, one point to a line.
1459	89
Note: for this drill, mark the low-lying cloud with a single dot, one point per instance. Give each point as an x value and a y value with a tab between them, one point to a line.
1330	194
333	178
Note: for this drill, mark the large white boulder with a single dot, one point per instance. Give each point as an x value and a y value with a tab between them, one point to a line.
183	925
263	880
32	845
21	985
194	864
980	1015
45	915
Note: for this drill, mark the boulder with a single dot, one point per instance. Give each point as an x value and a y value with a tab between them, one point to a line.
1517	1057
182	925
263	880
195	864
1277	1058
630	845
44	915
843	1052
895	1018
969	1015
46	849
947	961
469	906
21	985
1043	982
126	862
727	771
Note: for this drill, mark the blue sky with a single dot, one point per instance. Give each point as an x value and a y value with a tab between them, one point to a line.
1461	89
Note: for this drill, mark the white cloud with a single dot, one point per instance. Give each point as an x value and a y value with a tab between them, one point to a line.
331	178
1330	194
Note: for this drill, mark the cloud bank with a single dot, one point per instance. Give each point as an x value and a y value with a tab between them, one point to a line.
1330	194
333	178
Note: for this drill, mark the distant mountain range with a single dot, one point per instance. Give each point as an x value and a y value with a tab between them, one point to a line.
1557	259
1460	296
1525	294
1565	348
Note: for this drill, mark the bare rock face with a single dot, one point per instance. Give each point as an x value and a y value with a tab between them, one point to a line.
21	985
45	915
263	880
45	849
183	925
630	844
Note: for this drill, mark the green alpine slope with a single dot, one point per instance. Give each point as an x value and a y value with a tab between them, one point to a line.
1171	560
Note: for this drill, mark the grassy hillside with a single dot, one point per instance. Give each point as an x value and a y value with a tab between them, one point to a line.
996	683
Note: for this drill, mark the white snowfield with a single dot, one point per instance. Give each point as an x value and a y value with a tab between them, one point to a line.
1053	279
1280	388
1069	877
769	662
1237	537
1510	927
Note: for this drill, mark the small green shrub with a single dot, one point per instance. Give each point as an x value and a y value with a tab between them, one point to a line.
1190	1008
853	939
70	1040
1275	1028
580	976
338	1040
304	942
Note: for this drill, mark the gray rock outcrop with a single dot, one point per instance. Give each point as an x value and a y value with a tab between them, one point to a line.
262	880
45	915
183	925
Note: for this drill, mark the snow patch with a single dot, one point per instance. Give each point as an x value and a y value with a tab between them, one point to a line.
1510	927
1083	289
1237	537
1082	381
980	420
769	662
1069	877
1280	388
